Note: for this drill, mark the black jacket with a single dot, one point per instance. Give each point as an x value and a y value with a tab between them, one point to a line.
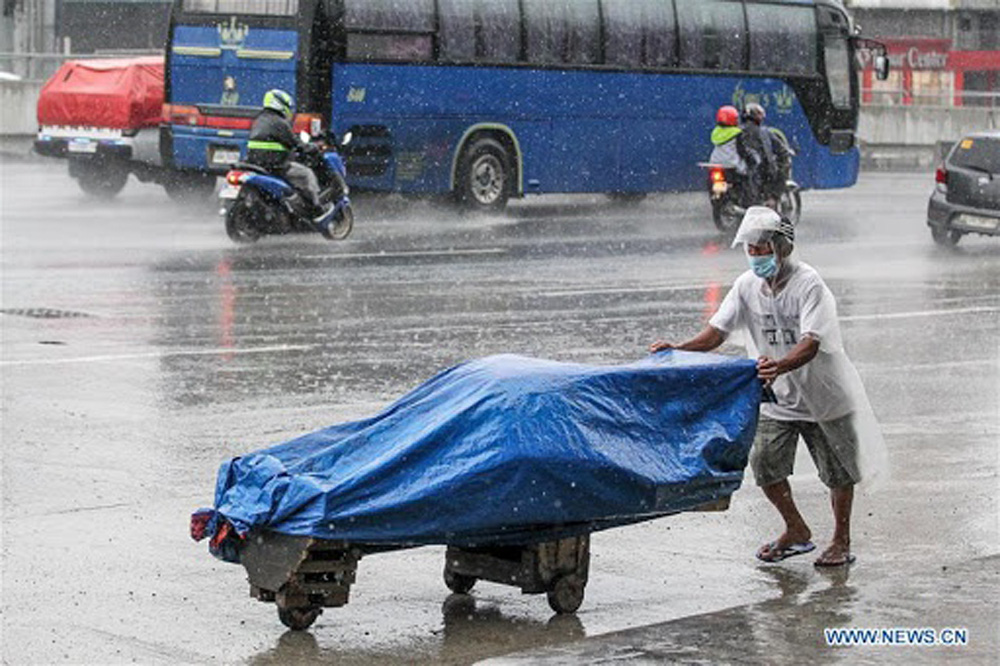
274	140
758	140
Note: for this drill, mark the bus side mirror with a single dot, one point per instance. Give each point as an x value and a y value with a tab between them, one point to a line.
881	67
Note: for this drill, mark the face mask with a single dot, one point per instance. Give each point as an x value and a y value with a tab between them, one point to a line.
765	266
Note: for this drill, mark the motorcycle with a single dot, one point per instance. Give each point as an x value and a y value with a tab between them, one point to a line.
730	200
256	202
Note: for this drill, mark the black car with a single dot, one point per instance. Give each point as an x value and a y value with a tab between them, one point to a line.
966	199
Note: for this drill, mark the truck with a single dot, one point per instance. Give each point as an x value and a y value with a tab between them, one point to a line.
103	117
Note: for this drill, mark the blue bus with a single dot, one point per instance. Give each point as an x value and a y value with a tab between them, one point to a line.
490	99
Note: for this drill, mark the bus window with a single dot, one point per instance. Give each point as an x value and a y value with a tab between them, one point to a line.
562	32
639	33
782	38
480	30
243	7
713	34
838	70
389	29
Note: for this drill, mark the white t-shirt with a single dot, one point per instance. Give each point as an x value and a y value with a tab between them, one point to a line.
820	389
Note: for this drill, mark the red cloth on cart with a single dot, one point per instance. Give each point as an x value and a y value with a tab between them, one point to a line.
120	93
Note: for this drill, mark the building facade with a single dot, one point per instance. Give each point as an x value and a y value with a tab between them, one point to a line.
942	52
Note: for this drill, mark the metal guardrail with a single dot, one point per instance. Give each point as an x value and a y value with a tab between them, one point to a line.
40	66
957	98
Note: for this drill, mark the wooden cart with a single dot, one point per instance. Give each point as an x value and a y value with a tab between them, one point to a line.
304	575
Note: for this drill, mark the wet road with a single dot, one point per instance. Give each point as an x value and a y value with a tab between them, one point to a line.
141	349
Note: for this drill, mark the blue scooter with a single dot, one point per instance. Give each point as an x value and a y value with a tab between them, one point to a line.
256	202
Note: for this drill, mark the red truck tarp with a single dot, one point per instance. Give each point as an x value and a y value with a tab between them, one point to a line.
120	93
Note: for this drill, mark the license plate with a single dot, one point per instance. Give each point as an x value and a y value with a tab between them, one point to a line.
978	222
225	155
82	146
719	188
229	192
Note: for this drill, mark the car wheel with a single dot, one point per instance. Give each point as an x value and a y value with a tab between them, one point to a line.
945	237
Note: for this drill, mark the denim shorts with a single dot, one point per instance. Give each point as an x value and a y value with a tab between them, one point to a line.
833	446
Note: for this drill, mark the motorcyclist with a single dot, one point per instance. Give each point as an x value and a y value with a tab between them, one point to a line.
772	146
732	151
272	143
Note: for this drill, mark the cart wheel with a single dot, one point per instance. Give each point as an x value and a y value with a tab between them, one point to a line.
567	594
458	583
299	618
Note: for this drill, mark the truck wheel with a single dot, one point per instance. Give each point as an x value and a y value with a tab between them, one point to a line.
567	594
485	176
299	619
458	583
190	186
99	178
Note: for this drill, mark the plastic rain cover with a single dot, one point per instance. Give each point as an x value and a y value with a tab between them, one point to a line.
121	93
509	449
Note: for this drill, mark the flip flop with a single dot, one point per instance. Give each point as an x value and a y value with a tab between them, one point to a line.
775	554
838	563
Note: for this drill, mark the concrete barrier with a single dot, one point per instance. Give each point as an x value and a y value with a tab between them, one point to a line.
916	137
18	104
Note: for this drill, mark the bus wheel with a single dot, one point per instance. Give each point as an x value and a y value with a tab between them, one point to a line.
484	176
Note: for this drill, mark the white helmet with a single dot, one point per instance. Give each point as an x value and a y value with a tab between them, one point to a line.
761	224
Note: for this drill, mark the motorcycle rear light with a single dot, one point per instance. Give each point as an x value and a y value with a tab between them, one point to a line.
234	177
717	176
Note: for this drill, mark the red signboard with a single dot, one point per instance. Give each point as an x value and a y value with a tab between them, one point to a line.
909	53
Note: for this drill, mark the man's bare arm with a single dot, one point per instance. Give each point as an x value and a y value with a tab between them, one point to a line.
768	368
709	338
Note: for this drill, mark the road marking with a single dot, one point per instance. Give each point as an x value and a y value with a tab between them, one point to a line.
222	351
624	290
410	254
918	313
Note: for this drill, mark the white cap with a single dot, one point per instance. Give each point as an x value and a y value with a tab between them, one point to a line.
760	223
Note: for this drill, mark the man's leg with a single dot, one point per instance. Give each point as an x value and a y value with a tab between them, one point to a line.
772	460
304	180
839	550
796	529
833	446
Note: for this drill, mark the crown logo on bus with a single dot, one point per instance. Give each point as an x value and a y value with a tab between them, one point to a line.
232	36
784	99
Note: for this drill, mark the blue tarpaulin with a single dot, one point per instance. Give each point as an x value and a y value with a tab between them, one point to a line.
508	449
